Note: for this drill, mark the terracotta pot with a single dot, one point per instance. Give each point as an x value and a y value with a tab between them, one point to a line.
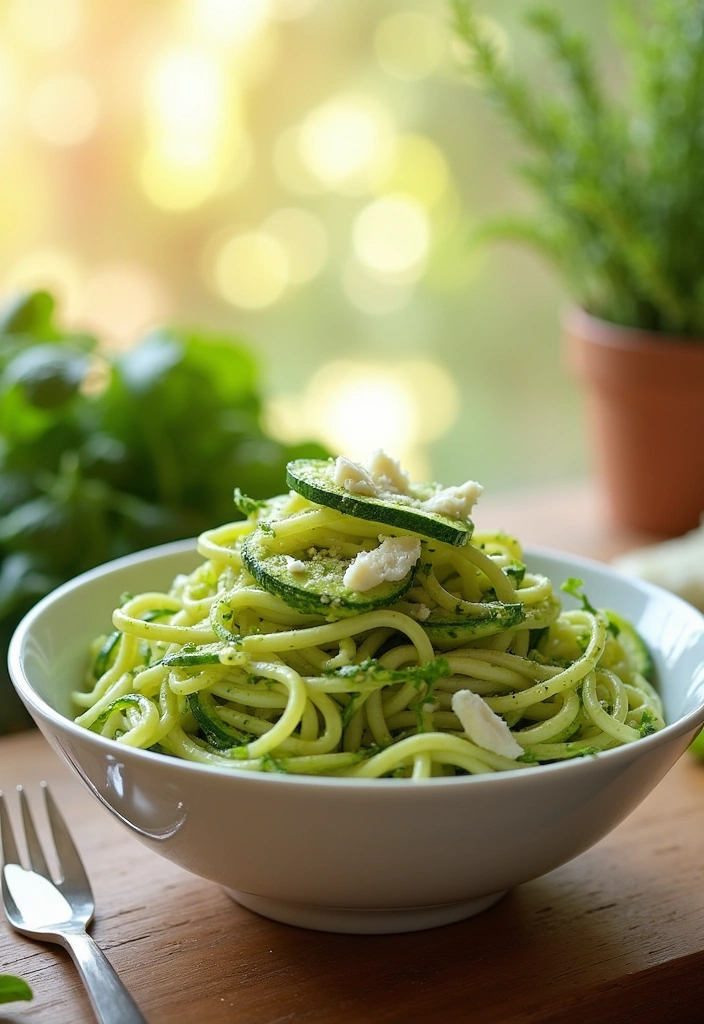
645	405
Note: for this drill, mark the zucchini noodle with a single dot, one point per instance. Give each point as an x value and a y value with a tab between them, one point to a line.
246	665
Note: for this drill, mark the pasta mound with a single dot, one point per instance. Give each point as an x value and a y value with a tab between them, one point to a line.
234	670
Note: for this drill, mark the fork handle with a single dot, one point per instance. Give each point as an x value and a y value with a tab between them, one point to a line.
111	1002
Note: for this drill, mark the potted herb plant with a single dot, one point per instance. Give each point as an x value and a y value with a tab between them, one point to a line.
620	186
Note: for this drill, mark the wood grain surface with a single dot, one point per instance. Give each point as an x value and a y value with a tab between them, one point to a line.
616	935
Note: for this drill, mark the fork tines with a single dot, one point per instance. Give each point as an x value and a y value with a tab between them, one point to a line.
70	864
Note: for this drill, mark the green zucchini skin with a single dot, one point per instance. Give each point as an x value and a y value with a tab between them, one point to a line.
218	733
516	572
313	479
633	644
445	629
104	657
107	653
204	654
158	613
135	700
320	591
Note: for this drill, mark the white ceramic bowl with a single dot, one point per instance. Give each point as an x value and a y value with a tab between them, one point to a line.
358	855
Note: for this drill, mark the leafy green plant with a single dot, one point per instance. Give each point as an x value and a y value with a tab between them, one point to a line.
12	989
102	457
619	183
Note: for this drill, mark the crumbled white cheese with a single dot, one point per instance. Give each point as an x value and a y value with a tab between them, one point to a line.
384	476
420	612
483	726
457	502
402	499
392	560
353	477
387	473
294	564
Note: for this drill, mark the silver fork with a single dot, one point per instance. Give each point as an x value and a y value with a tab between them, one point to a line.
51	911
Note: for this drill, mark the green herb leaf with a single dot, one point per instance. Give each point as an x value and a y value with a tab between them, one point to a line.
28	313
573	586
48	375
13	989
246	505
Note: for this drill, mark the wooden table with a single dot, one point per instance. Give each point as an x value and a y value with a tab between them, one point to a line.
616	935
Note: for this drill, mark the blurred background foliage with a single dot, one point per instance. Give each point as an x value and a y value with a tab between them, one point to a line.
307	174
101	455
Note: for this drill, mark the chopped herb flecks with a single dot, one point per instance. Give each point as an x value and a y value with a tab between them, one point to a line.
247	506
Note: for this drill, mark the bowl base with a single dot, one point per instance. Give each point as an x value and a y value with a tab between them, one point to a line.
363	922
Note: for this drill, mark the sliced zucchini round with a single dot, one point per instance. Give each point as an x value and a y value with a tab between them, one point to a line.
633	644
314	480
447	630
319	590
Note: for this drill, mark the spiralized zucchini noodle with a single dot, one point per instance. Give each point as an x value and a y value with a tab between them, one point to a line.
260	660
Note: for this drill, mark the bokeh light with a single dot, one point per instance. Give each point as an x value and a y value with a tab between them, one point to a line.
391	236
185	106
250	165
228	21
291	10
413	164
341	142
410	45
363	406
44	24
185	94
356	406
63	110
250	270
176	185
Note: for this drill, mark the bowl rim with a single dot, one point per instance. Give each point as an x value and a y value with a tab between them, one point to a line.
627	752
